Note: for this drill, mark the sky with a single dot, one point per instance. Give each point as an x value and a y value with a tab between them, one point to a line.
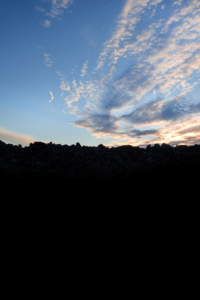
111	72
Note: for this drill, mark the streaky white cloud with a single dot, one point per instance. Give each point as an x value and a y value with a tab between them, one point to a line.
11	137
126	23
46	23
88	90
65	86
84	70
47	60
179	2
73	111
74	84
52	97
192	8
153	13
58	6
63	75
155	2
159	63
163	6
145	35
133	7
40	8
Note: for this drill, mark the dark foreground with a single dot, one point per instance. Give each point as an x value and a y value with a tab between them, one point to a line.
42	162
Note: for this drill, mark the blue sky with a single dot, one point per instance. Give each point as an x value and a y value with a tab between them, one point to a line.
111	72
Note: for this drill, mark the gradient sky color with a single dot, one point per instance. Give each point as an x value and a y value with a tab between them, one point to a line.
111	72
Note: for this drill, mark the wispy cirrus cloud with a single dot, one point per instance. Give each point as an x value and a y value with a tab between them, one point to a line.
147	98
58	6
153	13
39	8
128	20
52	97
46	23
65	86
84	70
179	2
56	10
47	61
155	2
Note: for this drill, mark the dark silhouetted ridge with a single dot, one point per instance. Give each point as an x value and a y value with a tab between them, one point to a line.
45	162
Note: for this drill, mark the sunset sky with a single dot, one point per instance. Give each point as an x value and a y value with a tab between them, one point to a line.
111	72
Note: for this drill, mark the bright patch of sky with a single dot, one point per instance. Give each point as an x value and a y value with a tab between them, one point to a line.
112	72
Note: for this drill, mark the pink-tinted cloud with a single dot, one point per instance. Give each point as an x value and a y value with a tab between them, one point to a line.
161	59
14	138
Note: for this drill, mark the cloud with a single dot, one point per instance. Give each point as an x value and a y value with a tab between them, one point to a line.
57	9
193	129
147	98
58	6
192	8
155	2
137	132
84	70
126	23
158	110
47	60
179	2
153	13
46	23
65	86
40	8
133	7
14	138
59	74
52	97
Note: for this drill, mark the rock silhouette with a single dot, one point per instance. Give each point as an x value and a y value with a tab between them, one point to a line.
50	161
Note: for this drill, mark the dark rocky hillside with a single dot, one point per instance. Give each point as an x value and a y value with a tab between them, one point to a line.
43	162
